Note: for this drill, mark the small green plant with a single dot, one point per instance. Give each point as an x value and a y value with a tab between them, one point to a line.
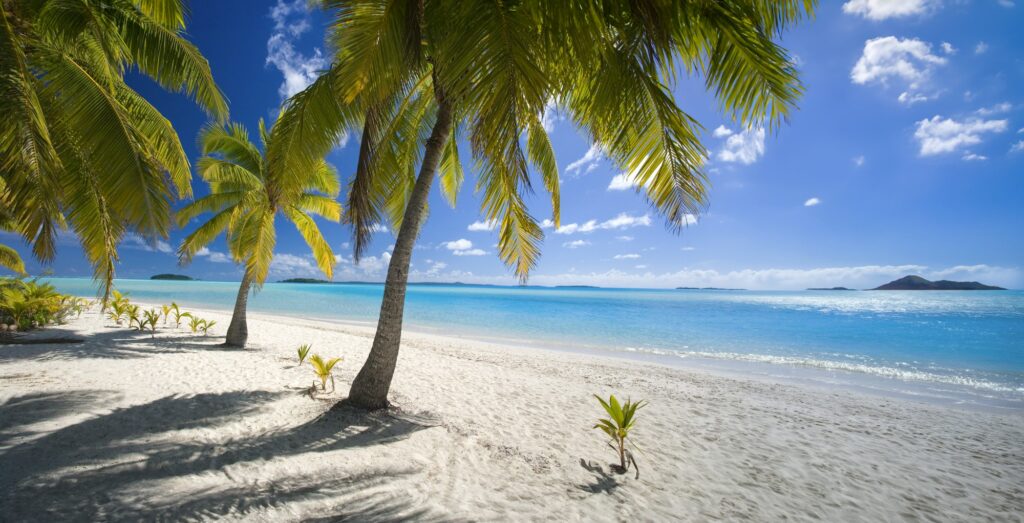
323	370
166	310
134	317
206	325
151	318
194	323
303	351
178	315
617	425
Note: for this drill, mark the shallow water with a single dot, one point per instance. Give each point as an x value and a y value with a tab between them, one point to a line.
964	346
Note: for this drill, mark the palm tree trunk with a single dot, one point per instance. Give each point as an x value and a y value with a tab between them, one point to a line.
238	331
371	386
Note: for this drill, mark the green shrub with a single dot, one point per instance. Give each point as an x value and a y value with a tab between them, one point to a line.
617	425
323	370
303	351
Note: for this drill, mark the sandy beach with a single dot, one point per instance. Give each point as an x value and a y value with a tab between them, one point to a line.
125	427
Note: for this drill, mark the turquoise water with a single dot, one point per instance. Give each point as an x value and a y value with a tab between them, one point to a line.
970	344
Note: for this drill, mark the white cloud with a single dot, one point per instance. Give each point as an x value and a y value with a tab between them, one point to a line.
890	59
722	131
971	157
587	163
622	221
744	147
1006	3
291	19
811	202
948	48
134	241
938	135
488	225
463	247
859	160
908	98
550	116
546	223
378	227
290	265
621	182
458	245
981	48
626	256
575	244
999	108
688	248
640	266
883	9
624	238
1017	147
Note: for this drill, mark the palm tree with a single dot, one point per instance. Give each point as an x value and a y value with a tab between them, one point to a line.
79	148
245	198
416	75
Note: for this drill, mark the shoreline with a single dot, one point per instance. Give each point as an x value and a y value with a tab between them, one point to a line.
128	427
827	377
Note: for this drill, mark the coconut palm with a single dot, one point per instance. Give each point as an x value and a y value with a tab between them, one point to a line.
79	148
416	76
245	198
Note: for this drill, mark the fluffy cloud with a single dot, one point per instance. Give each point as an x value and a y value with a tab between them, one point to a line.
624	238
292	266
889	59
1017	147
858	160
883	9
981	48
811	202
626	257
575	244
722	131
134	241
463	247
587	163
999	108
488	225
971	157
743	147
213	256
550	116
938	135
948	48
622	221
909	98
621	182
291	19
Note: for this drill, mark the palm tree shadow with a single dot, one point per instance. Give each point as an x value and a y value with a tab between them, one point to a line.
117	343
20	412
604	483
76	472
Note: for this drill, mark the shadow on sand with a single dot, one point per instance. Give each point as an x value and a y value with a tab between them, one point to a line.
111	466
115	343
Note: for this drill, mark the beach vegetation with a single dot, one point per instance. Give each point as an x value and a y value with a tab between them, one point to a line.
323	370
403	81
134	316
165	310
151	318
81	149
178	315
29	304
303	351
206	325
247	195
194	323
618	424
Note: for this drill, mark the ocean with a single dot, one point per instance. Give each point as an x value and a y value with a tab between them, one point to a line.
960	347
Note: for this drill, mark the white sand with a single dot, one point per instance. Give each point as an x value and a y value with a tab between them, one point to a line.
123	427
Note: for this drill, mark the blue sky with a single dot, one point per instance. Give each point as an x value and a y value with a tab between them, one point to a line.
906	156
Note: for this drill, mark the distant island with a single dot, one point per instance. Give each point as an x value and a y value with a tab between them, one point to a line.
831	289
303	280
706	289
917	283
173	277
